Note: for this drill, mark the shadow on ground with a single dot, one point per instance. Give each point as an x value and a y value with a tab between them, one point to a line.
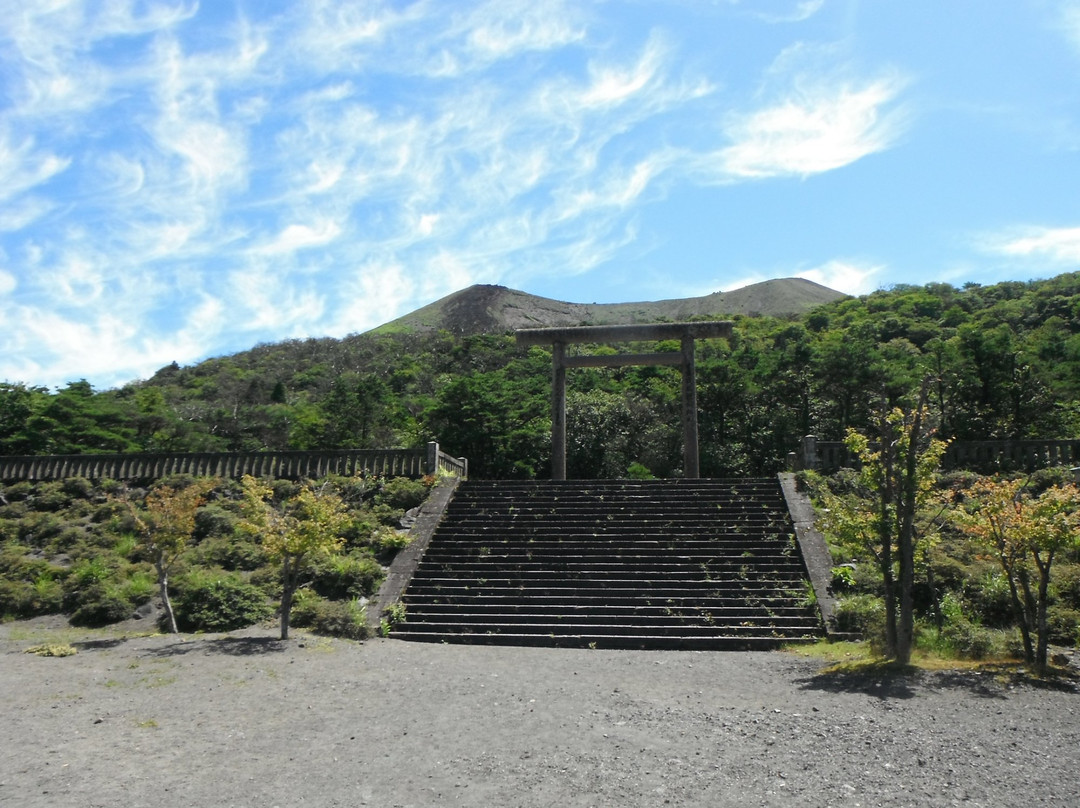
888	682
229	646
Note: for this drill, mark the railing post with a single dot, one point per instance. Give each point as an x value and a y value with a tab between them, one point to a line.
810	459
432	464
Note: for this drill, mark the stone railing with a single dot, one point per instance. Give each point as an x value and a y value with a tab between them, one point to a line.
291	465
981	455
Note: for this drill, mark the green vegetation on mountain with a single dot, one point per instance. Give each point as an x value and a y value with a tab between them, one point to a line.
1004	359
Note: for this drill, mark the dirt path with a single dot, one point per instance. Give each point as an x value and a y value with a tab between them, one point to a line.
243	720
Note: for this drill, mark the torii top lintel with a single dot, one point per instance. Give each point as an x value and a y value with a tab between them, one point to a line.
711	329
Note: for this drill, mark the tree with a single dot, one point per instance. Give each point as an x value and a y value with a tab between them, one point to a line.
18	404
1025	532
294	532
897	468
165	524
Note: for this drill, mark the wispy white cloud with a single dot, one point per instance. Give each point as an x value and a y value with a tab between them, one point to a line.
1070	21
24	166
787	11
7	282
1057	244
818	126
300	236
852	277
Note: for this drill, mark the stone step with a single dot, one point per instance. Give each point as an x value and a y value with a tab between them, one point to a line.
660	564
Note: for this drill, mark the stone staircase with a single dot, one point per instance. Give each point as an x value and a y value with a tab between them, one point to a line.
692	564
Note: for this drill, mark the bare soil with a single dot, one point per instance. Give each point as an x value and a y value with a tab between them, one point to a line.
245	720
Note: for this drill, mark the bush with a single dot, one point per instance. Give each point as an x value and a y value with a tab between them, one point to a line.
388	540
35	529
213	520
991	600
50	497
401	493
1067	585
349	576
221	604
1064	625
100	605
862	614
77	487
969	640
334	618
30	598
231	554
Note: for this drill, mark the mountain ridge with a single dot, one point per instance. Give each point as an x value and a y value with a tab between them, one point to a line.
483	308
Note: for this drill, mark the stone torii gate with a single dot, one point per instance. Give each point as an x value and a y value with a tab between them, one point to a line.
686	333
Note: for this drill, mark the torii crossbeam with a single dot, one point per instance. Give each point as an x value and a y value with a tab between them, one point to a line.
686	333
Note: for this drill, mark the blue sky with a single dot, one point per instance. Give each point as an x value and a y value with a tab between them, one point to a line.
181	180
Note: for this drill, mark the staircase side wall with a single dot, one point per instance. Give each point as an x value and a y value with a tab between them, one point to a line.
815	551
404	564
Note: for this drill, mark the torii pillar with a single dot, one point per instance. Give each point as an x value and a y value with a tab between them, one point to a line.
686	333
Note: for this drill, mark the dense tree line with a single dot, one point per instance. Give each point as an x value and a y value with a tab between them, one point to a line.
1004	362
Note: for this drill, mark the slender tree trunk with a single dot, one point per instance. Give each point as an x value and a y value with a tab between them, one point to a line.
1019	611
886	503
905	539
1042	628
1030	622
289	583
163	585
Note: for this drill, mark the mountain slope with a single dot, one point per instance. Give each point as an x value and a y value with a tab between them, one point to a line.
496	309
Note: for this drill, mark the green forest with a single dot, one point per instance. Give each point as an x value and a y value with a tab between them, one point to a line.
1004	362
999	361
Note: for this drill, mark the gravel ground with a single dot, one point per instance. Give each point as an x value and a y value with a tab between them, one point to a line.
245	720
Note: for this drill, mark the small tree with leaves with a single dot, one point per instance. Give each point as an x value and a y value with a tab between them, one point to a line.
165	523
897	465
1025	532
294	532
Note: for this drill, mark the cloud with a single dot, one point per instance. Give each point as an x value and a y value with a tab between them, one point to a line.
1070	22
788	12
7	283
300	236
1057	244
24	166
816	127
843	275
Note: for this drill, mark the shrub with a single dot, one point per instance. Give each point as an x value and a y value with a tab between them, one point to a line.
231	554
221	604
50	497
862	614
213	520
1064	625
1067	586
991	601
100	605
110	486
16	492
334	618
348	576
388	540
68	538
16	599
139	588
401	493
35	529
15	509
77	487
637	471
969	640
